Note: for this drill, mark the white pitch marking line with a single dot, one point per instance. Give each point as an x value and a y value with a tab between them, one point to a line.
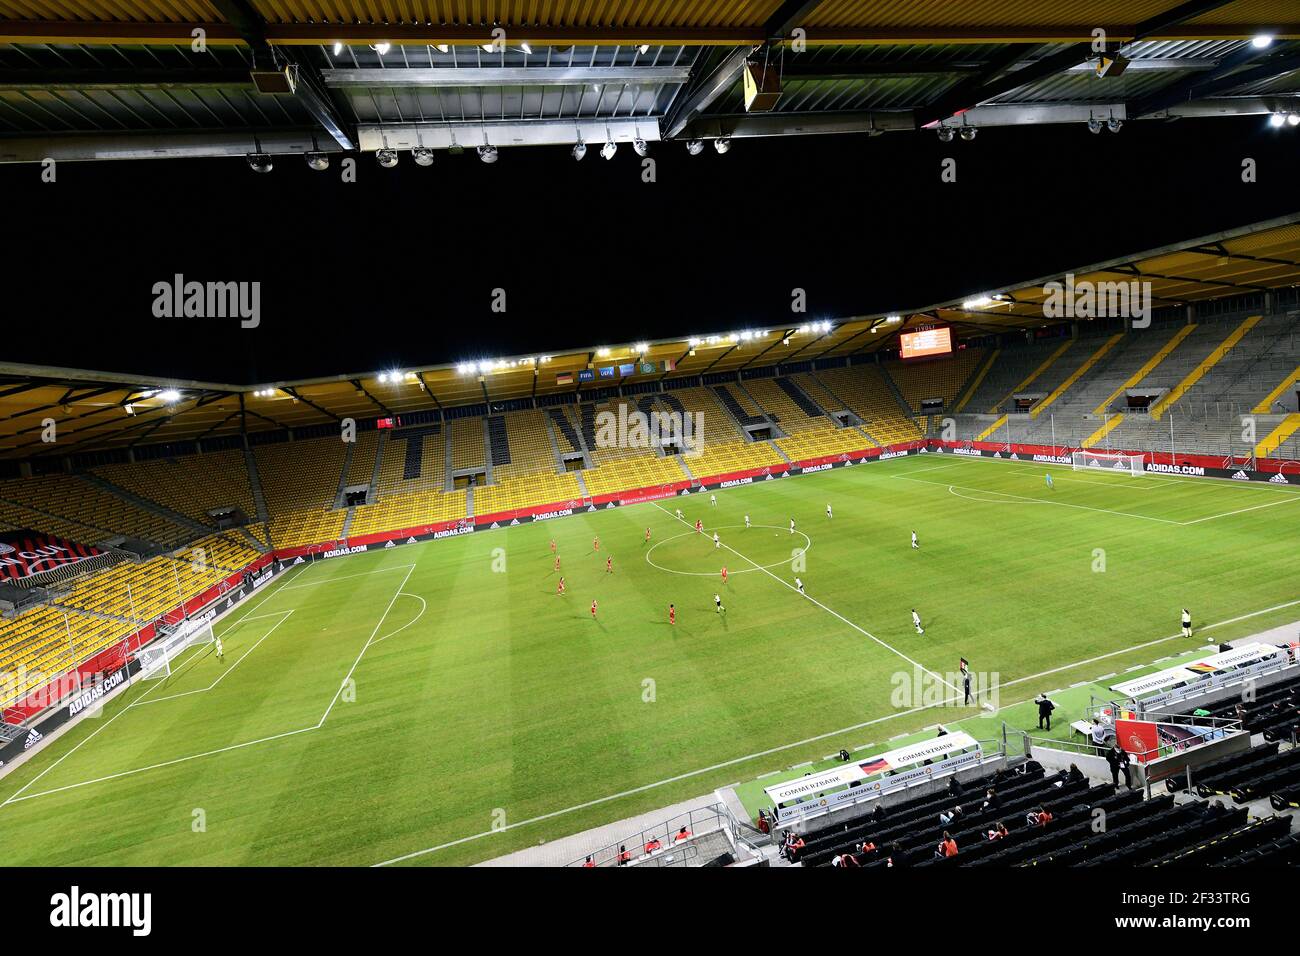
424	606
16	794
344	577
210	753
765	753
283	615
1060	504
938	677
1268	504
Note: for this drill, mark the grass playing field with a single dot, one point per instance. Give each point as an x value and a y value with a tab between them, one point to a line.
442	695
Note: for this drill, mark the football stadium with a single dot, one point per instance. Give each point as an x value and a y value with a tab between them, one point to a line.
984	557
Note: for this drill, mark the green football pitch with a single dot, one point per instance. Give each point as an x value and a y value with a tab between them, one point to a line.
440	703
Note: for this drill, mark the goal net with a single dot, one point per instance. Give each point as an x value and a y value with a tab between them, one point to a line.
156	659
1108	460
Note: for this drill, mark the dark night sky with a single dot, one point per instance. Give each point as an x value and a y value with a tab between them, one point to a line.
397	269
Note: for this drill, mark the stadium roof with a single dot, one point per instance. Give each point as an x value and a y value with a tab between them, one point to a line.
97	411
84	79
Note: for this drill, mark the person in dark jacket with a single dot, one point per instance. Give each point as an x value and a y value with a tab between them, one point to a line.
1118	759
1045	708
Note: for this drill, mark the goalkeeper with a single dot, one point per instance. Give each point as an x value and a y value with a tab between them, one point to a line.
1048	475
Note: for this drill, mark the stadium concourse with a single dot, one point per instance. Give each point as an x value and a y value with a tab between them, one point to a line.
138	512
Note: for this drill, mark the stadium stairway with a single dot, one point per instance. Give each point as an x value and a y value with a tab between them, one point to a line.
255	483
1016	372
348	449
1265	405
175	517
374	471
1274	440
1074	376
972	386
1146	368
1190	380
1111	423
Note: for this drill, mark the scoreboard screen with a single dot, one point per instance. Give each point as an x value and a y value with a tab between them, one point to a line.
388	422
927	342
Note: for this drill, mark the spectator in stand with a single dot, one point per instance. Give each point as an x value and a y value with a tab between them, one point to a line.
588	864
1031	817
999	831
991	801
947	846
954	787
624	857
865	847
1045	817
845	859
682	834
793	847
878	814
1117	757
653	844
1074	774
1045	708
950	816
764	826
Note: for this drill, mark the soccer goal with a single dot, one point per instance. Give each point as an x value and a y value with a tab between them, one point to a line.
156	659
1109	460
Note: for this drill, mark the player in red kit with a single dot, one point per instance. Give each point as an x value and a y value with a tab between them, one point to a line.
593	610
647	535
595	544
699	526
672	614
724	575
560	588
552	546
609	565
557	562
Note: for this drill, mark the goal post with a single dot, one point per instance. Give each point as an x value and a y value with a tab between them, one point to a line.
157	657
1108	460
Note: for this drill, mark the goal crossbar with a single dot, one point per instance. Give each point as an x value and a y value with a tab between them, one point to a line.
1119	461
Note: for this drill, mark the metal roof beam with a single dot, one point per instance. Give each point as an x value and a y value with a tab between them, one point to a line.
1226	76
974	93
451	76
310	89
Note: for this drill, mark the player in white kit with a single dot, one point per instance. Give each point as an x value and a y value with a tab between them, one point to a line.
916	622
915	546
828	509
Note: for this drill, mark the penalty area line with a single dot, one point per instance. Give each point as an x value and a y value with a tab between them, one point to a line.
808	740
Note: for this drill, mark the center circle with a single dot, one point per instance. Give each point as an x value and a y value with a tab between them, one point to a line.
707	536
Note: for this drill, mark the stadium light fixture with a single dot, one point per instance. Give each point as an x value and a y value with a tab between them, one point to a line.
1261	41
1114	125
643	49
968	133
641	348
338	48
1094	125
526	48
422	155
170	395
609	149
639	147
945	134
978	302
260	162
386	158
442	47
488	153
1275	120
317	161
602	352
722	144
381	48
1293	119
579	150
694	147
